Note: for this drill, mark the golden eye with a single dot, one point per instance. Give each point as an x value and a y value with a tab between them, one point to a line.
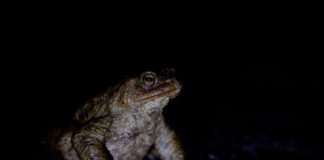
149	80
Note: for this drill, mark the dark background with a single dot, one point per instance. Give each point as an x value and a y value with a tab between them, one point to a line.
251	85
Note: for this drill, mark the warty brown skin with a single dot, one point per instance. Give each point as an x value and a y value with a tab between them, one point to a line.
125	123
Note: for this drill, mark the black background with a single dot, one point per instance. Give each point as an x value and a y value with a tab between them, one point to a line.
251	87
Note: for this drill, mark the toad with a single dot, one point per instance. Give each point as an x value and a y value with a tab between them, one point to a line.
126	122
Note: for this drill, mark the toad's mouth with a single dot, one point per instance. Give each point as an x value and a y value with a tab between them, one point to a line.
167	90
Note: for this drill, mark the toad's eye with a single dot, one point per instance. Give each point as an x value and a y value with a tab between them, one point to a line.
149	80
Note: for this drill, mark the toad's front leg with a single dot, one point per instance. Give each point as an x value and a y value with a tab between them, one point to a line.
167	144
89	141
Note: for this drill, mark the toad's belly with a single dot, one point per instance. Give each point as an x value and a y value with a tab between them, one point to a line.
131	146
